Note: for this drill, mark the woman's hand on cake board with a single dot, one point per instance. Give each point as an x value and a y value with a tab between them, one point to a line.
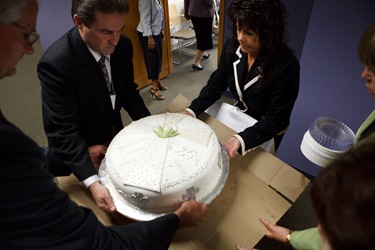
274	231
190	213
232	146
102	197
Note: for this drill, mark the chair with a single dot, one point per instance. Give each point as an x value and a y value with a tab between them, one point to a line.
184	36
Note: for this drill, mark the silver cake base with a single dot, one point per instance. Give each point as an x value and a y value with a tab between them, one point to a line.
132	212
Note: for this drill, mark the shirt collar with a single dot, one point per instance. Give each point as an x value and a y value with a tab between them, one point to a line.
97	56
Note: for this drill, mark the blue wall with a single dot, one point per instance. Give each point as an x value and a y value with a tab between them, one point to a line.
330	73
53	20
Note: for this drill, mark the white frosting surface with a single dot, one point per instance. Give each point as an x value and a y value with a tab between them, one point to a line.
157	174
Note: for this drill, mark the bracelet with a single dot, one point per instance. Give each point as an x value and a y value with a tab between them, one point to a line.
288	237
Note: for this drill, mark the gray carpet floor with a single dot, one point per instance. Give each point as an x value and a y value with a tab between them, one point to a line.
20	102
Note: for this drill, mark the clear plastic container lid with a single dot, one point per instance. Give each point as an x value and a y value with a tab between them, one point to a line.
331	134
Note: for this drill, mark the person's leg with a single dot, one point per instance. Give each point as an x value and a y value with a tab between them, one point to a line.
159	47
198	57
206	55
153	67
155	90
207	44
203	34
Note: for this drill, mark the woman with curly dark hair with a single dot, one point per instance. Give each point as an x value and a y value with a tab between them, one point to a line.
260	71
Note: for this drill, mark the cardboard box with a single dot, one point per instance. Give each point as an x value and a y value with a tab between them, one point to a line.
259	185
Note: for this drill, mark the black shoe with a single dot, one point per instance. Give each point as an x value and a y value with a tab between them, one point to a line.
157	94
206	56
195	67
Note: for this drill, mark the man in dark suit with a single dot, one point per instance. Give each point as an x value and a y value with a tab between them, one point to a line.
81	104
34	212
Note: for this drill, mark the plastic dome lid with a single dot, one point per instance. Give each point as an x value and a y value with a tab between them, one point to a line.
332	134
325	140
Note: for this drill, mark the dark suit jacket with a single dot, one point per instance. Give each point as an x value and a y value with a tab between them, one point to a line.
77	110
271	106
36	214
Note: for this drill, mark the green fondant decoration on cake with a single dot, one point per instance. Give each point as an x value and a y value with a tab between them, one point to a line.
165	132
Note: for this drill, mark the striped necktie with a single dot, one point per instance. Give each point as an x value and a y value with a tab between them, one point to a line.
105	73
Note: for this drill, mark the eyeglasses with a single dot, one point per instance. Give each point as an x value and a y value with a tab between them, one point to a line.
30	36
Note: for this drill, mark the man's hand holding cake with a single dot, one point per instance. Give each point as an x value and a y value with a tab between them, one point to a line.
190	213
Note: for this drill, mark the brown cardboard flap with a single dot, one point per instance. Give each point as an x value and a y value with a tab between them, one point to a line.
289	182
279	175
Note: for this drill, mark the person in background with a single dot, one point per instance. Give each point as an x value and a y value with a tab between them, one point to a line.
310	238
200	13
35	213
366	54
260	70
86	78
151	36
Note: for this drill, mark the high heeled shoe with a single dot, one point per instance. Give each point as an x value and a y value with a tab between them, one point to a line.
195	67
162	86
153	92
206	56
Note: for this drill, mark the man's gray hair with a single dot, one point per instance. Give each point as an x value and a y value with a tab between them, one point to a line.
11	10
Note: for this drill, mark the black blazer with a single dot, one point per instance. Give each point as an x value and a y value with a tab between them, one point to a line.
77	110
271	106
36	214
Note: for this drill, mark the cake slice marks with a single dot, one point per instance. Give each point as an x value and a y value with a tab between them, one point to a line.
148	173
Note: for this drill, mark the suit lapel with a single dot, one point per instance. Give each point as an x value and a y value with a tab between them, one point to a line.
240	73
237	73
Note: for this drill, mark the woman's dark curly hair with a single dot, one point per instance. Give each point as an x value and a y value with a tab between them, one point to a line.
268	19
366	48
